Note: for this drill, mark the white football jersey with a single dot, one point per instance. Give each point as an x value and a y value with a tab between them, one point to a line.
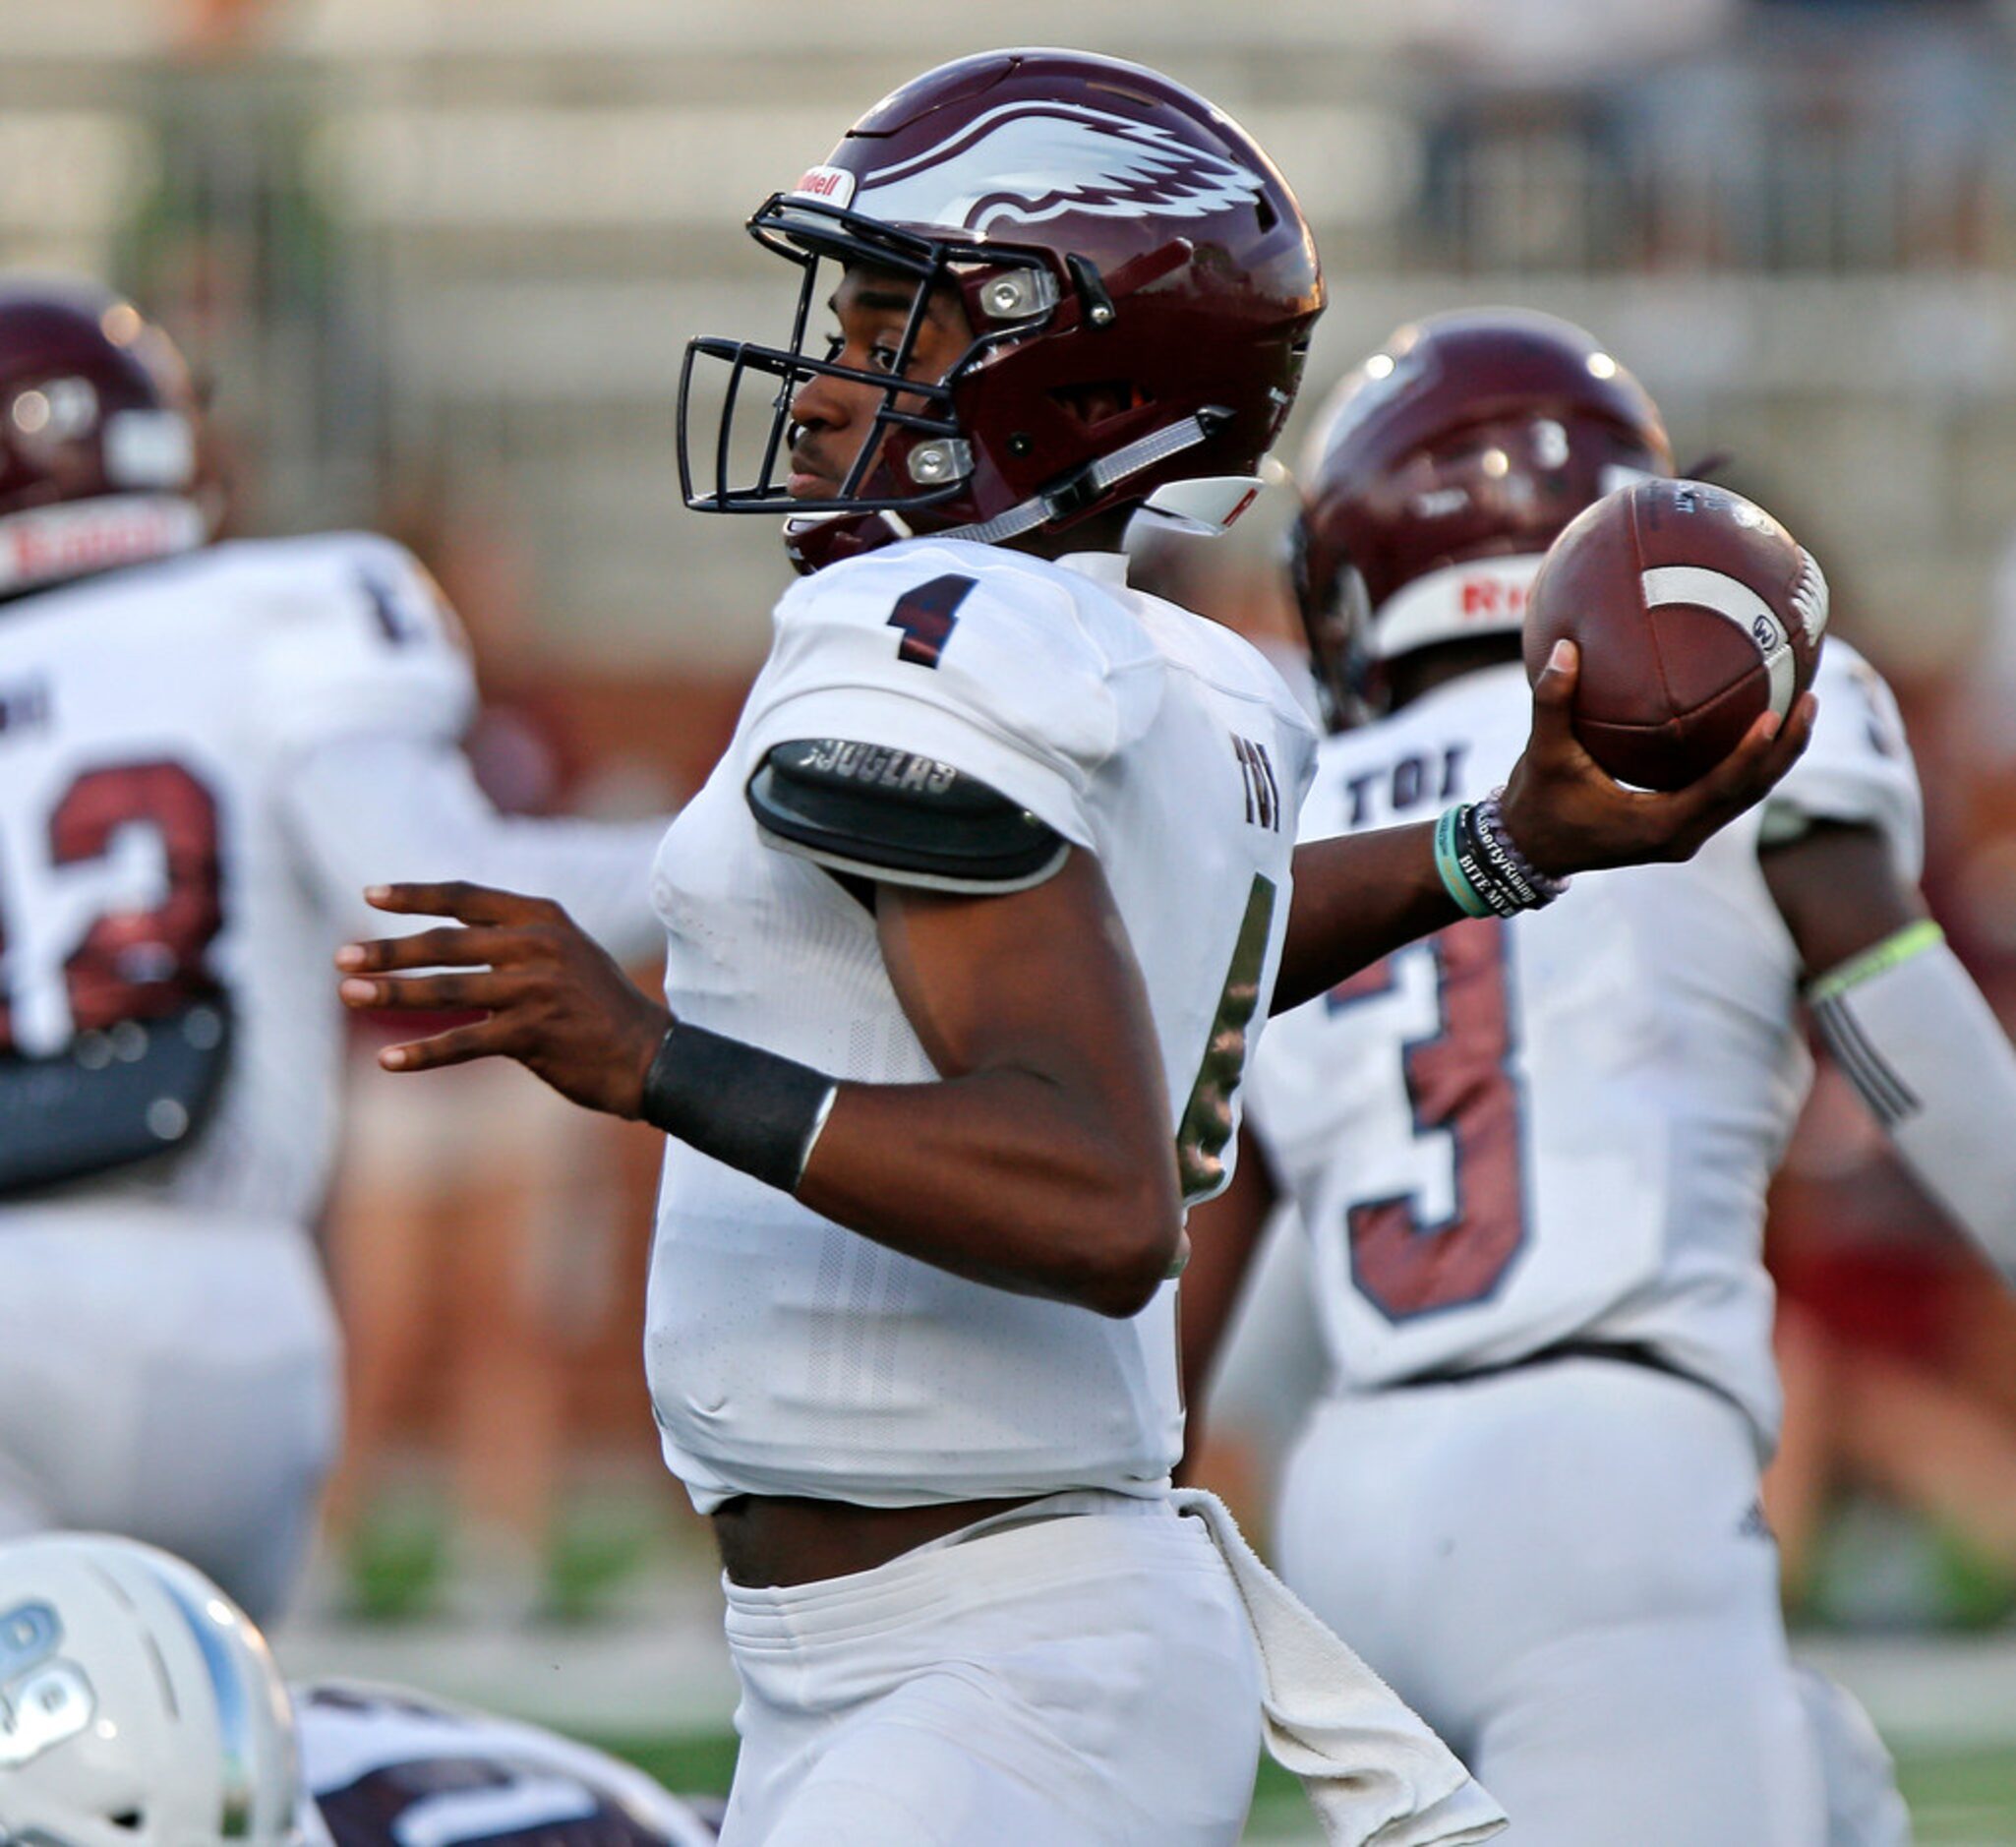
789	1356
385	1767
1513	1133
145	853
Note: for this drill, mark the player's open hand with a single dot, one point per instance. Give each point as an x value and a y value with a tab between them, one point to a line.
1567	813
552	998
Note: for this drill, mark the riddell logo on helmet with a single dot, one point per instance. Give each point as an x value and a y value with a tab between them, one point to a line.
832	184
1491	597
81	548
49	543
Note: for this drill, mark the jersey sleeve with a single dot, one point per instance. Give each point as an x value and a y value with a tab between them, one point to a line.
978	664
1858	769
380	807
357	637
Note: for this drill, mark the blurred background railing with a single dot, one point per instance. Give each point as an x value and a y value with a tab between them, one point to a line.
446	253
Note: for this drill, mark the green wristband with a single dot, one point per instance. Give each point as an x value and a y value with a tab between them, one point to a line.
1453	880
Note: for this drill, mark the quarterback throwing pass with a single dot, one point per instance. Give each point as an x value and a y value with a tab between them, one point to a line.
969	937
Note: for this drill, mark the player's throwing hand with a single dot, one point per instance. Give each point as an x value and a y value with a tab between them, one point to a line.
552	999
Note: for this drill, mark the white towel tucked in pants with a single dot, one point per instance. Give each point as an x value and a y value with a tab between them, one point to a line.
1078	1672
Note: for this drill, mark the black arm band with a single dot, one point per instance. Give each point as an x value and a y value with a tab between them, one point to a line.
746	1108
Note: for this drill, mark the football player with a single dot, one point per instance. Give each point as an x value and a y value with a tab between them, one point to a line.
975	918
140	1706
206	749
1530	1152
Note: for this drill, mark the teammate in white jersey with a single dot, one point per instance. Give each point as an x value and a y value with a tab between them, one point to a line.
977	914
1530	1154
137	1704
205	752
385	1766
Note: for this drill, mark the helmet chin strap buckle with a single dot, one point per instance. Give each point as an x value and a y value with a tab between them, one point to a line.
1208	503
1073	495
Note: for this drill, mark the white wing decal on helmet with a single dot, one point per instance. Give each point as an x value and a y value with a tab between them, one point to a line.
1029	161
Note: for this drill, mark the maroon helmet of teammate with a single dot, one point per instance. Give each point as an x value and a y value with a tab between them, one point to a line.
1139	281
97	435
1440	473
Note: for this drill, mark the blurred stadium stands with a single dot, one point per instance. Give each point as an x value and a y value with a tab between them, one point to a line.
464	240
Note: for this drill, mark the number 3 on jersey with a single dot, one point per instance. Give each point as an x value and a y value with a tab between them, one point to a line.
1444	1007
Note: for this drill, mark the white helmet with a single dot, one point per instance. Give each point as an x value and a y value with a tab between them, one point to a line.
139	1706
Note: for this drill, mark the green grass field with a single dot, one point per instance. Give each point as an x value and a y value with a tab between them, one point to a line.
1957	1798
1961	1796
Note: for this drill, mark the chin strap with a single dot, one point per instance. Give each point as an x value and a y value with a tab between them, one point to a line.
1091	482
815	541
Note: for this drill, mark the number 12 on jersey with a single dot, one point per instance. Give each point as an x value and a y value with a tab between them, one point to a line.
1443	1007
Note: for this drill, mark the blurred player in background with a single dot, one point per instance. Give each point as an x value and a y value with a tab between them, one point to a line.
1530	1154
138	1705
976	916
205	752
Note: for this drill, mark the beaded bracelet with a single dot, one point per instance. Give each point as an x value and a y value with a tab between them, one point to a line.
1488	818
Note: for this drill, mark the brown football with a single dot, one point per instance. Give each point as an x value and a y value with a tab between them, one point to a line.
1695	611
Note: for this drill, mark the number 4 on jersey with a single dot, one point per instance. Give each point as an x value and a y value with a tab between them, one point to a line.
926	616
1207	1124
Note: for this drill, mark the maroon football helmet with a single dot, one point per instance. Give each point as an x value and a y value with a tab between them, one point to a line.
1108	233
97	435
1440	473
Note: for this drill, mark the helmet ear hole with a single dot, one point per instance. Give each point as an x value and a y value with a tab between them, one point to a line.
1099	401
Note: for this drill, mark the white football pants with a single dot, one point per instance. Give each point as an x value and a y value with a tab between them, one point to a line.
1563	1571
169	1379
1089	1679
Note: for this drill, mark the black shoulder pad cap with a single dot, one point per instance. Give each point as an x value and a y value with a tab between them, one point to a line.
891	814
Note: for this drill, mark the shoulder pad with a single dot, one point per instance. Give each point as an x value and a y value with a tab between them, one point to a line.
1857	770
895	815
358	637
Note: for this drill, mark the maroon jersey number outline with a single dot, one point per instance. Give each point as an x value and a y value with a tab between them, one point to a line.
139	964
1462	1087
